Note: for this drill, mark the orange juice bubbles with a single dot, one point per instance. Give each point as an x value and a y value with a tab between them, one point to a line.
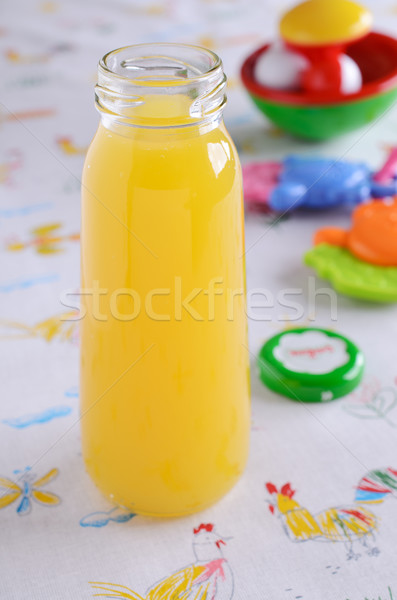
164	361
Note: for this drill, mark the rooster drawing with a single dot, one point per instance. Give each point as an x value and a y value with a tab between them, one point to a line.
346	524
208	578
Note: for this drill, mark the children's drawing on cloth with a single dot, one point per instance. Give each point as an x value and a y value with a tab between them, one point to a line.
27	488
7	116
67	146
72	392
372	401
103	26
28	81
71	185
45	416
63	327
10	163
26	58
16	57
27	282
213	43
22	211
102	518
208	576
48	6
387	596
45	240
348	524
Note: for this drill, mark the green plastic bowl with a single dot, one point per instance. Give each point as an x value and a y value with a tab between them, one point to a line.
309	116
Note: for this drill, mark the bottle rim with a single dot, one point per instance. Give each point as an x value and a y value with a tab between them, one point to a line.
216	62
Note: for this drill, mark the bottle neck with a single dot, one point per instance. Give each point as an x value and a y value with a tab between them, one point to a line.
143	132
160	87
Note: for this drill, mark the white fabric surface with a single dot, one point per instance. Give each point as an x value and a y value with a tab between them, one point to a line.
48	54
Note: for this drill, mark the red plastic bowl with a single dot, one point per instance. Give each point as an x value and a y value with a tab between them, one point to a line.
310	114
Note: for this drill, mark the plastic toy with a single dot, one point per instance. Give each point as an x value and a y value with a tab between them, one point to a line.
328	75
310	364
373	236
361	262
316	183
320	30
351	276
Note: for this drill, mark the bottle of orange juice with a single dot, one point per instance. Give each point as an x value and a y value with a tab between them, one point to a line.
164	361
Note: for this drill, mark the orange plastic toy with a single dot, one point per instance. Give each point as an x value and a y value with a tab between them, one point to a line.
373	236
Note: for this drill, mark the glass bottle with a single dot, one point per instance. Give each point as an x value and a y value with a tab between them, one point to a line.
164	360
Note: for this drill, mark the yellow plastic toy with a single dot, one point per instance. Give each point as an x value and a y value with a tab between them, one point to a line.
324	22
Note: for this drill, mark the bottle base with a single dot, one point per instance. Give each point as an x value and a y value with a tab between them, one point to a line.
173	514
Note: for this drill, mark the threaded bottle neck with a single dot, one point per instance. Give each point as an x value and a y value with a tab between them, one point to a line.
160	86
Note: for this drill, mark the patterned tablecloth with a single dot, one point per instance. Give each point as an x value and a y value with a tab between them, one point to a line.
57	532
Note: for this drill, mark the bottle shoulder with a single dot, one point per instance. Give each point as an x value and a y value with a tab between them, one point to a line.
211	154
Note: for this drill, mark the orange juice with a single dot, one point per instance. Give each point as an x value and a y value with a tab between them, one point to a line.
164	361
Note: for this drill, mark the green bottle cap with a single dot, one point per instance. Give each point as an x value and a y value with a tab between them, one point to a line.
311	364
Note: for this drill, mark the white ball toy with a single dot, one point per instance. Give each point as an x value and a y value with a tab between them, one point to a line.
280	68
351	75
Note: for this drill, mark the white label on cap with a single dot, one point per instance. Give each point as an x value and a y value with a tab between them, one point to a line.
311	352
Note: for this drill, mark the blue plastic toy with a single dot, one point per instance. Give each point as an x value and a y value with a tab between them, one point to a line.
316	183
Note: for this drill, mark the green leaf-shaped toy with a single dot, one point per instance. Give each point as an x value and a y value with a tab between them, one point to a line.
352	276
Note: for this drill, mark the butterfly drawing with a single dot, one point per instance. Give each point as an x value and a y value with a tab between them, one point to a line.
27	488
